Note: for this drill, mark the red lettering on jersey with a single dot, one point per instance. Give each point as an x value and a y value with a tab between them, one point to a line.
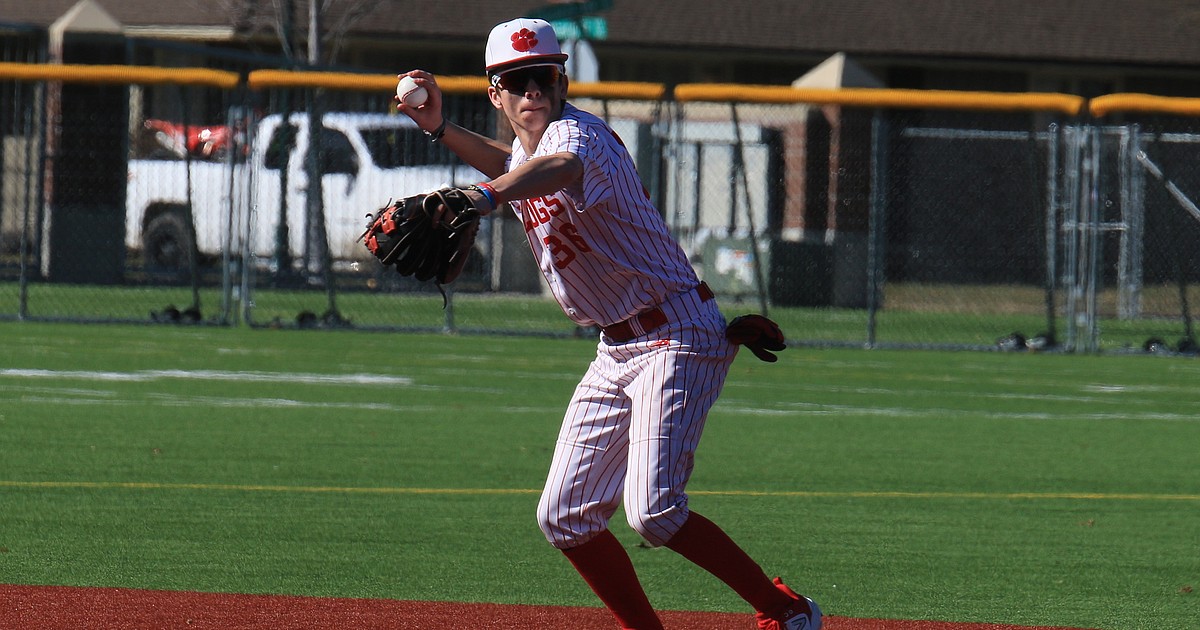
554	205
527	215
559	251
572	233
539	210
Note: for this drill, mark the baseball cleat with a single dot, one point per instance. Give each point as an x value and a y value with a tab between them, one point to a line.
803	614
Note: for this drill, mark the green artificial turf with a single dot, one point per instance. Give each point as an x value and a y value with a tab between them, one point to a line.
1015	488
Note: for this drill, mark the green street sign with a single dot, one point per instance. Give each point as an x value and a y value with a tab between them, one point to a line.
567	11
593	28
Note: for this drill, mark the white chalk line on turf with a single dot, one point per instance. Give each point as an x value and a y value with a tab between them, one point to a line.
81	398
813	494
820	409
232	403
210	375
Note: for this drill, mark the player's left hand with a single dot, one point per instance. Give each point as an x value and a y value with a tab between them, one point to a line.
759	334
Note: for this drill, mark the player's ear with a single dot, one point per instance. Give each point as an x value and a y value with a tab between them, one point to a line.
494	97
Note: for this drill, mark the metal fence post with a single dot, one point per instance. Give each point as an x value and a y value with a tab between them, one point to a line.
1133	209
1078	282
742	180
877	234
1053	209
1090	230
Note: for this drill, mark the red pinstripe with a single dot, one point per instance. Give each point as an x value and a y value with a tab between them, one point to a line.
631	262
635	419
632	429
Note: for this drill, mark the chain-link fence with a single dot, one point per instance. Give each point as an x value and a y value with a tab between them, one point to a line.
853	217
1135	226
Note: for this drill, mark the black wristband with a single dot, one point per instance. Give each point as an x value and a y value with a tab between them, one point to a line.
437	134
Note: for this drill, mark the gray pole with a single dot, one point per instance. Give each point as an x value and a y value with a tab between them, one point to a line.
877	234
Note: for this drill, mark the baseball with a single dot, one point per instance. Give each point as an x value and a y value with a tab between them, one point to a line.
410	93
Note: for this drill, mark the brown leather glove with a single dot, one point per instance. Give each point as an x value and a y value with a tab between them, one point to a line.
759	334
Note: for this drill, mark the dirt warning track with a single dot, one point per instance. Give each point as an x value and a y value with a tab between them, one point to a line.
61	608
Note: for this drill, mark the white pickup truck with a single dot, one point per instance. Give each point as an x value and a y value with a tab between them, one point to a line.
236	205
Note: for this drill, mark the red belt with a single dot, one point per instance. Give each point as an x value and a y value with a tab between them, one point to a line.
648	319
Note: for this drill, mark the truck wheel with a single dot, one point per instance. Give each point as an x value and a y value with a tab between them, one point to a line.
167	243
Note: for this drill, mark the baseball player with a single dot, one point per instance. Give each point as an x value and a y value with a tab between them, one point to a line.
633	424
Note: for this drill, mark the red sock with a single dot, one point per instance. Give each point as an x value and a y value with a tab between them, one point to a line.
606	568
710	548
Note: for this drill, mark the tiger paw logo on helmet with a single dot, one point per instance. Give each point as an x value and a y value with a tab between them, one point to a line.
524	40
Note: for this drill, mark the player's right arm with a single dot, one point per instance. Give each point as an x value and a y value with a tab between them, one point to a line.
486	155
540	176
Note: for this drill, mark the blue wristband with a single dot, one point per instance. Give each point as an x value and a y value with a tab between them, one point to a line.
486	190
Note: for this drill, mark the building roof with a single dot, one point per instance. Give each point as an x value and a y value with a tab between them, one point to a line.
1103	31
1146	32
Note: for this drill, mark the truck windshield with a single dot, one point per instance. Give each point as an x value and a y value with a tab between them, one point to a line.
393	147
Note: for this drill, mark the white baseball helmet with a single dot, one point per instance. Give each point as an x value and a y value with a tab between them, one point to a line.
523	41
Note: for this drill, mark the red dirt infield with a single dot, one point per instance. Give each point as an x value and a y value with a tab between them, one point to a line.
60	607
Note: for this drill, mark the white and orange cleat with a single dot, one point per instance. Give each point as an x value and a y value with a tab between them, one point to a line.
803	614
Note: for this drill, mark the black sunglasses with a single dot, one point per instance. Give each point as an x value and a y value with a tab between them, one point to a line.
546	77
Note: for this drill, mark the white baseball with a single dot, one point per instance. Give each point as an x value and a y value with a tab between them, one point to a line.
410	93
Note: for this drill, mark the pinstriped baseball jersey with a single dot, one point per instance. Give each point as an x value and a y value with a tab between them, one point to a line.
634	422
605	250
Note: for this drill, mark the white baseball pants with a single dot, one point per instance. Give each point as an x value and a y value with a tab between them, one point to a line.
633	425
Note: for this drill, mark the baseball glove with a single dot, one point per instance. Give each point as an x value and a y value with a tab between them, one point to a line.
427	236
759	334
